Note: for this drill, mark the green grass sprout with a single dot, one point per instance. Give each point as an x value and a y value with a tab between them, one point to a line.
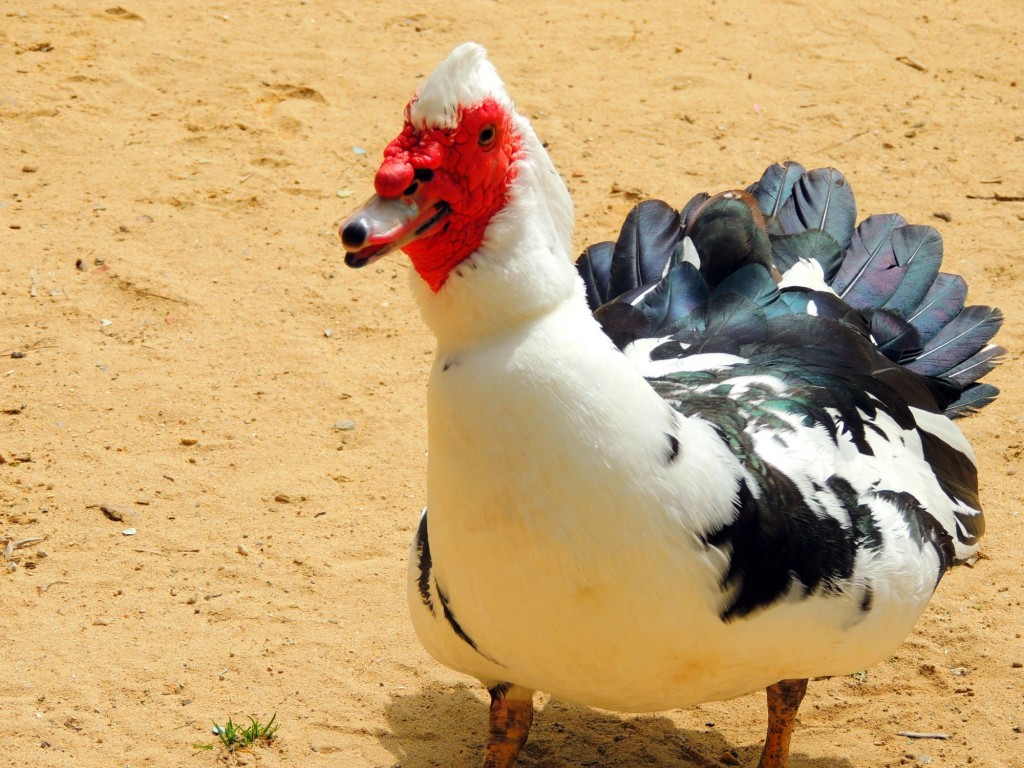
234	735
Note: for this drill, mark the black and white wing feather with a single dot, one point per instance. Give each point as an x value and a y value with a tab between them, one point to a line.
828	356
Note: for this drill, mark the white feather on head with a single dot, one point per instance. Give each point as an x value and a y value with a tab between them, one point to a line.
462	80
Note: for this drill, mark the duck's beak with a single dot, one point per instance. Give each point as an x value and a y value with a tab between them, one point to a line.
383	225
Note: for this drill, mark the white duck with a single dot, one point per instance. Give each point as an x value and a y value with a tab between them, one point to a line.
743	491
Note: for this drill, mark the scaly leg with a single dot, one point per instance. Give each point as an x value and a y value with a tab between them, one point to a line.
783	701
509	724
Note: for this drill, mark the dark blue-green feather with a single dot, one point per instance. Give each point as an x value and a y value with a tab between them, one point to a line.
775	186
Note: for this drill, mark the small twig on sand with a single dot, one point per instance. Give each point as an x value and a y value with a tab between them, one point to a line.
13	544
152	552
998	198
840	143
911	63
152	295
917	735
43	587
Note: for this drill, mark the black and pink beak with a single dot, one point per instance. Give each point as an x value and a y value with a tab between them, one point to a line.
383	225
406	207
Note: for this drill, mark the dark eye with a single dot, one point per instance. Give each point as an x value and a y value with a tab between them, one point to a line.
487	135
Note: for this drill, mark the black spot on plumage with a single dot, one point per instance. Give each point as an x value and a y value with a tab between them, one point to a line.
450	618
923	528
423	563
425	566
777	541
668	351
876	429
868	536
955	473
778	537
970	527
867	599
450	363
673	449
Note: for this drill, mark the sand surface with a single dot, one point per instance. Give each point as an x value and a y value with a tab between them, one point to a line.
181	344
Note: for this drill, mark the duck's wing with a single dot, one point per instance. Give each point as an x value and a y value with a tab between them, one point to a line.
828	356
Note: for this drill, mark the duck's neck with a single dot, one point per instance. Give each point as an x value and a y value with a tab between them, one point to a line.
522	269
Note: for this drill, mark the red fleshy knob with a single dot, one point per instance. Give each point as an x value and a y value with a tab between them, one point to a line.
394	177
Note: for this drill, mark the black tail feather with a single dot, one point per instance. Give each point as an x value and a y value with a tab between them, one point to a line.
645	245
918	253
943	302
972	400
977	366
775	187
884	269
959	340
867	262
896	338
821	199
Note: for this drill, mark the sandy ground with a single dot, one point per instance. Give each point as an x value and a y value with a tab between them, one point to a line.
181	344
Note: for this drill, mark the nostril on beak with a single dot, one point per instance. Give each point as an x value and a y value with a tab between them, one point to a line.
354	234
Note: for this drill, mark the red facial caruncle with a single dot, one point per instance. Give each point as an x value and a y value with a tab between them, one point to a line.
437	190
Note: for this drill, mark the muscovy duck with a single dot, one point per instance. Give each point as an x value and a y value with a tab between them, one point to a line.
715	456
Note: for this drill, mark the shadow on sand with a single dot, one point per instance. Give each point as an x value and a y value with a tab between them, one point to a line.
445	728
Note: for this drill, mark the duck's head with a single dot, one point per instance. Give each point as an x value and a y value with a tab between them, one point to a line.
447	173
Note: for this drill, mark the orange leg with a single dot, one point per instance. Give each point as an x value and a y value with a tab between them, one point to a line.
509	725
783	702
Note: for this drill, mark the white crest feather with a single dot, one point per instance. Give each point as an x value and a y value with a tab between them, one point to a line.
464	79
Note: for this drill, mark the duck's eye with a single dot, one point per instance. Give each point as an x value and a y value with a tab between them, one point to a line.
487	135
